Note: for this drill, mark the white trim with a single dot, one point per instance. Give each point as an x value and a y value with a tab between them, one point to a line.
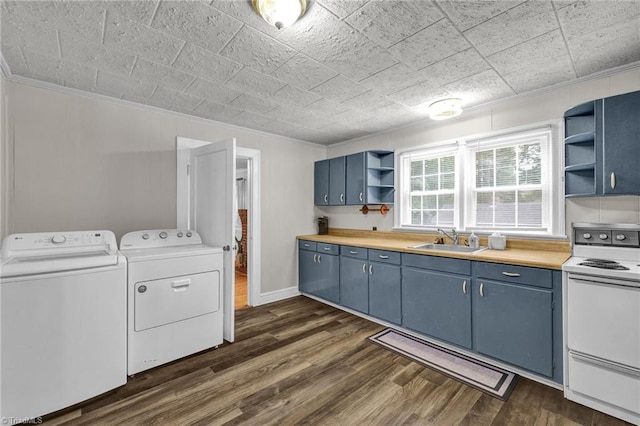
253	245
274	296
4	67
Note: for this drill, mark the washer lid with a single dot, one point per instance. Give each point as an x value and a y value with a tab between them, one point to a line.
38	253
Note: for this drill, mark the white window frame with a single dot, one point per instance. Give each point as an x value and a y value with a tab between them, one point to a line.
465	176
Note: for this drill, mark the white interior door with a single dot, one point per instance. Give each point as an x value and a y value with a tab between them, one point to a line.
211	212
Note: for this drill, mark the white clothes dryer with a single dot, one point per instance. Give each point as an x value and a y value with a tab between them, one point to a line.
174	293
63	321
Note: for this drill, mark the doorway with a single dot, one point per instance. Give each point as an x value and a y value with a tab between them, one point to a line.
241	233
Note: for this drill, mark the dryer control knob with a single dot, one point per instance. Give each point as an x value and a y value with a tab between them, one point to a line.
180	234
621	237
58	239
189	234
145	236
603	236
163	235
586	235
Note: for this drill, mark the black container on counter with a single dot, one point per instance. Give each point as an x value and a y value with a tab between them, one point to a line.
323	225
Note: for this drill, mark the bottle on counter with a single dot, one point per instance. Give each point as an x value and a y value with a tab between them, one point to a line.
473	240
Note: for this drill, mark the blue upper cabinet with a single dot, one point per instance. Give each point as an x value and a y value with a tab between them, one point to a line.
357	179
321	183
621	144
356	172
337	181
601	139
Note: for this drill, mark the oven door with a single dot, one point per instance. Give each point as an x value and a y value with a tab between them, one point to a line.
603	318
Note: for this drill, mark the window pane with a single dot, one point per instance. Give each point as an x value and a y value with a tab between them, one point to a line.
431	183
505	208
416	168
530	164
445	201
447	164
505	176
484	178
445	218
484	159
429	217
506	157
429	202
416	216
431	167
530	208
484	208
416	202
417	184
448	181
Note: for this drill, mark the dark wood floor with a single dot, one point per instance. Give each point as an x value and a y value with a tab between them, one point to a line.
302	362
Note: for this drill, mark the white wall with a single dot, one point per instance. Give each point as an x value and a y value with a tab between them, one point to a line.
544	106
85	163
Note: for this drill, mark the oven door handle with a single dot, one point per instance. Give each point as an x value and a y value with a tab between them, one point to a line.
605	281
606	364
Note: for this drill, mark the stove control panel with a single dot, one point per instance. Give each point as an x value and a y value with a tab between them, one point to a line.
618	235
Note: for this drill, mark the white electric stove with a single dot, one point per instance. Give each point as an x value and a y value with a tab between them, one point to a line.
601	297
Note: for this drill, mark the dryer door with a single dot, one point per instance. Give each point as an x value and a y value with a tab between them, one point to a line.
168	300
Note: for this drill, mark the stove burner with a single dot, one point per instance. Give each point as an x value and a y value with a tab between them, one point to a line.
603	264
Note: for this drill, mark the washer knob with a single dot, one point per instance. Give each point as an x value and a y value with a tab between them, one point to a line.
163	235
180	234
586	236
145	236
189	234
621	237
603	236
58	239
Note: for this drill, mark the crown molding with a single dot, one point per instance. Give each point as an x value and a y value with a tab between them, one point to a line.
4	67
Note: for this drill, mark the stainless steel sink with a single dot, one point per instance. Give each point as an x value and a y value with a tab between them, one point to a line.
448	247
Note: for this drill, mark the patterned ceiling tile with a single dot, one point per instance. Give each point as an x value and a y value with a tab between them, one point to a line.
140	10
251	81
212	91
468	14
583	17
116	85
483	87
304	72
342	8
203	63
257	50
253	104
96	55
339	89
160	74
455	67
289	95
393	79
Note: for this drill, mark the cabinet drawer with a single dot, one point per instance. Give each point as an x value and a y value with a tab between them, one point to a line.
355	252
444	264
328	248
307	245
384	256
515	274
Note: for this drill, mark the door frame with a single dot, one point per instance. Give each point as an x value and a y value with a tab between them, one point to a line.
183	146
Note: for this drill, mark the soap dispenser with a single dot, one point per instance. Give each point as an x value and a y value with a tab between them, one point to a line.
473	240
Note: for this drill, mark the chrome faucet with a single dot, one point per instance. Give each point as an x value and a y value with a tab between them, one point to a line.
453	236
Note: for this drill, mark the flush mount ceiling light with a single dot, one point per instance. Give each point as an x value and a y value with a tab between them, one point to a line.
445	108
280	13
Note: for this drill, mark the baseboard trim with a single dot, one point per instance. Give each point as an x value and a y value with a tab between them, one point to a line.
274	296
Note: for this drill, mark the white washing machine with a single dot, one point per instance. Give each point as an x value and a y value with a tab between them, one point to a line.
63	321
174	296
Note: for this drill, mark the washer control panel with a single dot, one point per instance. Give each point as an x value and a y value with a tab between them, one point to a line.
70	241
159	238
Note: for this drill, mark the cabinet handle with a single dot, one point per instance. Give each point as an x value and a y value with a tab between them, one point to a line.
326	198
315	258
464	287
364	268
307	245
319	257
382	256
341	198
613	180
370	269
360	196
511	274
353	252
326	248
481	289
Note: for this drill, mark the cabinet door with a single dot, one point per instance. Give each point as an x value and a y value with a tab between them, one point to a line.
437	304
355	183
513	323
329	272
621	144
321	183
354	284
307	271
384	292
337	181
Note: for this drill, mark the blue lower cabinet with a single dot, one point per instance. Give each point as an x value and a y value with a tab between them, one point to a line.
385	292
319	271
514	324
437	304
354	283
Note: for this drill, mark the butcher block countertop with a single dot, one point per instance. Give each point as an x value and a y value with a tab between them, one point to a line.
550	254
